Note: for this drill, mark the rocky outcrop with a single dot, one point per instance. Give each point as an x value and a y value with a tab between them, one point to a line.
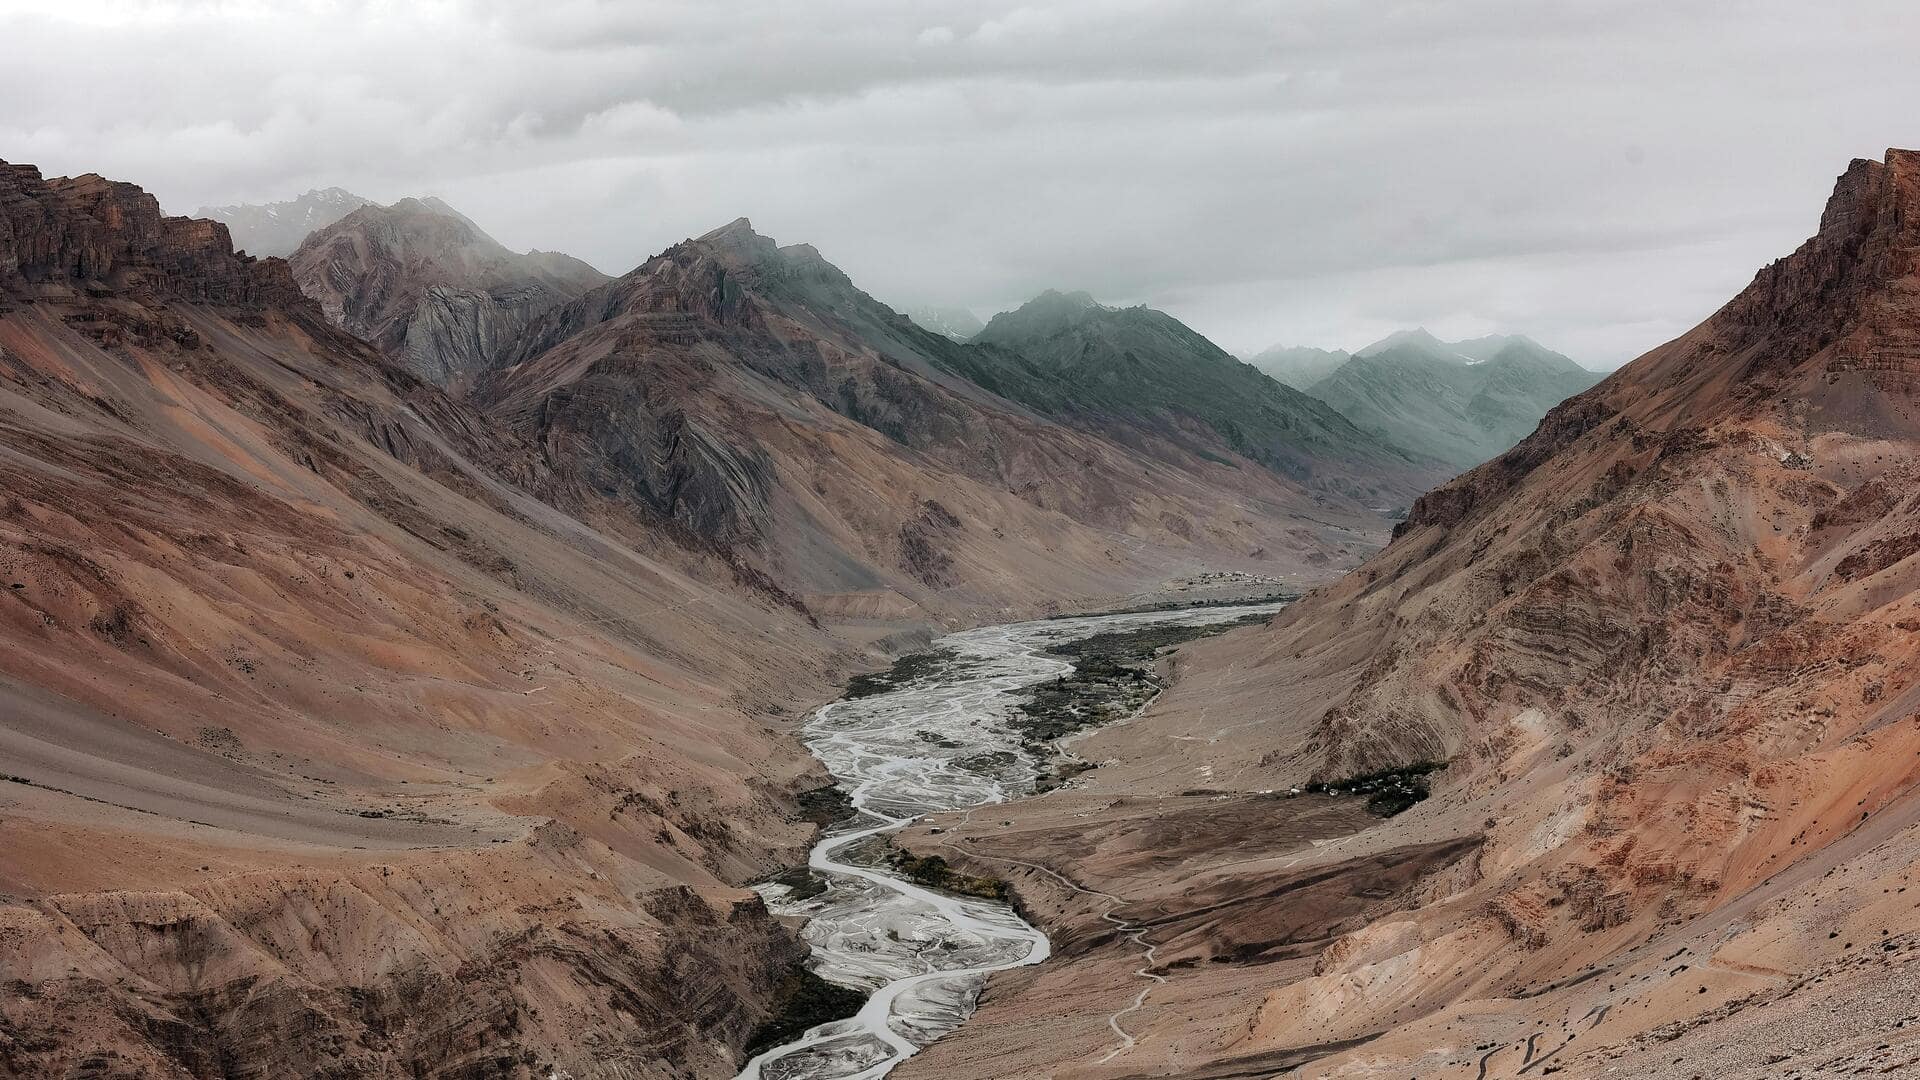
454	334
426	286
90	235
357	975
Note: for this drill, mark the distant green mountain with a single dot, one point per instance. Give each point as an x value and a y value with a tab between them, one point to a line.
1462	402
1067	356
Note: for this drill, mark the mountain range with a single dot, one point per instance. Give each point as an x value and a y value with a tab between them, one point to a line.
1298	366
409	728
1461	406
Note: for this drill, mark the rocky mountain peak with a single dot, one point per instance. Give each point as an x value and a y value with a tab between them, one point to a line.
1053	300
738	243
1840	309
737	229
1519	349
1051	312
429	287
1868	231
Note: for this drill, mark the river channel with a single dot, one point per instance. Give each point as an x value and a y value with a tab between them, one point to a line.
943	741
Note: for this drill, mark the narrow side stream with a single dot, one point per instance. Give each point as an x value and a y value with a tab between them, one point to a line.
941	742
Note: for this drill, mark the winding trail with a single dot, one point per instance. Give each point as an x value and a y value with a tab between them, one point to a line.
1138	934
941	743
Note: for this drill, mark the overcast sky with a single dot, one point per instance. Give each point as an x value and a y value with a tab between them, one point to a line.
1599	174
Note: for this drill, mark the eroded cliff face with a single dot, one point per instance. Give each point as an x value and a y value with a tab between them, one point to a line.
90	235
1666	646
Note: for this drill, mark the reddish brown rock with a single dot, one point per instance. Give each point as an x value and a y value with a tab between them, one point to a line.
89	234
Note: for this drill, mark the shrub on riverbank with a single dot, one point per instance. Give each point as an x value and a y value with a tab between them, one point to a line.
1389	791
804	1000
911	668
933	872
1112	679
825	806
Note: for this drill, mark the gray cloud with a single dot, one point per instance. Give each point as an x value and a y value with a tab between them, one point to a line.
1598	173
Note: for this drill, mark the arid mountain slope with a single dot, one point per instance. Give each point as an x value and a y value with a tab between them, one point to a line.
1444	403
749	396
278	228
1666	646
327	751
1114	369
426	286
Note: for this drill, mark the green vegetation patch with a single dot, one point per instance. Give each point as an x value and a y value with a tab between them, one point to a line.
933	872
825	806
1112	678
907	670
804	1000
1142	643
1389	791
1099	690
801	882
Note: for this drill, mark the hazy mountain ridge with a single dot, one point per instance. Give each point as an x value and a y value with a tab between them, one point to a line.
279	228
1460	402
957	323
706	381
1298	366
